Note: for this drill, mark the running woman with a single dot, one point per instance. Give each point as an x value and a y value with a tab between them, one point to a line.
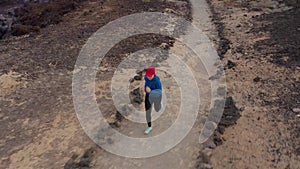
153	89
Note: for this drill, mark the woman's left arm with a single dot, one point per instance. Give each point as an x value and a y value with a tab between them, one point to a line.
158	85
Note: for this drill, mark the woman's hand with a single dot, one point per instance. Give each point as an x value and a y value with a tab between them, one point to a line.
148	90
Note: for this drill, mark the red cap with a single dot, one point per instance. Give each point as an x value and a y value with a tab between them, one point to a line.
150	71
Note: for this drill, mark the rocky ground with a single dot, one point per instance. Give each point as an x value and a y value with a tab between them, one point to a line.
36	72
259	46
261	41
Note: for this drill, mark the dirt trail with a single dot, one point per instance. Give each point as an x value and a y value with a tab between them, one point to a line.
186	153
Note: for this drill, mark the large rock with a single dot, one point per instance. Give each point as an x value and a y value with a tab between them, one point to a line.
19	29
4	26
6	21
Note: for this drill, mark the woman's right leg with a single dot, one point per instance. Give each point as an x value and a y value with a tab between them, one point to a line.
155	97
148	109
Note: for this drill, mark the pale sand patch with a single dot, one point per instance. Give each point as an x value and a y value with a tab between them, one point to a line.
39	153
10	82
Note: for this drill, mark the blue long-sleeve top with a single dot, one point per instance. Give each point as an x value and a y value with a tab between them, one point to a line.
153	84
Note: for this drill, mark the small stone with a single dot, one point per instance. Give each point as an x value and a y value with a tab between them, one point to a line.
230	64
139	72
136	92
207	152
114	124
221	129
255	9
257	79
74	156
84	162
204	166
210	144
138	100
70	164
296	110
131	80
165	46
138	77
217	139
119	116
88	153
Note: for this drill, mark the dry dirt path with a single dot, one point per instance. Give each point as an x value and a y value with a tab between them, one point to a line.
186	153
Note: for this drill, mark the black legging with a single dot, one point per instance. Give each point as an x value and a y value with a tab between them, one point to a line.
148	108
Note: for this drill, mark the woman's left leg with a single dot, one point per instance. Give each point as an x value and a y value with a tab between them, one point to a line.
148	108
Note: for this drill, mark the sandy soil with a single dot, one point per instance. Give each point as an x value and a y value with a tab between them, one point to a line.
263	77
